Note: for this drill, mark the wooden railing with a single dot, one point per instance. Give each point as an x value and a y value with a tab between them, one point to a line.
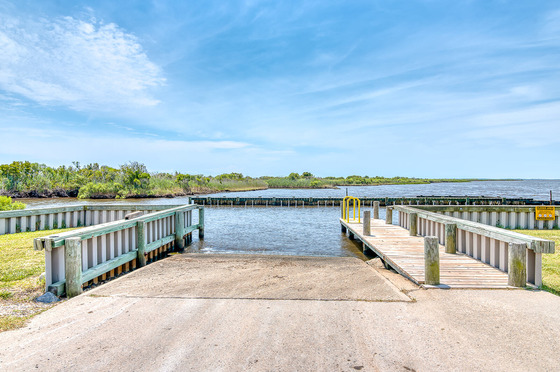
88	254
511	217
485	243
12	222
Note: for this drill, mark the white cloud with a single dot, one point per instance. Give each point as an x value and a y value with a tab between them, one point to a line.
75	63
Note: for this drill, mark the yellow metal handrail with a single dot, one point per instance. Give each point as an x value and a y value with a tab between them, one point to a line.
346	208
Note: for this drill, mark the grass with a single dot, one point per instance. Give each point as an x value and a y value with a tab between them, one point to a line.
20	268
550	262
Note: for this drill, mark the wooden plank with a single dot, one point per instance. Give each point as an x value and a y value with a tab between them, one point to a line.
107	266
405	254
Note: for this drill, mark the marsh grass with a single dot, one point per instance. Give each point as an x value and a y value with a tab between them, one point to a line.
550	262
20	268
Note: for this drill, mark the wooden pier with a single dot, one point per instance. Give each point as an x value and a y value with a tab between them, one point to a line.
405	254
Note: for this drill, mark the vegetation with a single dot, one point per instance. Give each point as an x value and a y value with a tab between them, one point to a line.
20	269
25	179
550	262
6	204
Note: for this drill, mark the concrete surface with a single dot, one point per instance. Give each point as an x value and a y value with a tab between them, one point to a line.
256	277
119	327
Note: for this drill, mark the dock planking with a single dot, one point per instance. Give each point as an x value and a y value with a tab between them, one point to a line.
405	254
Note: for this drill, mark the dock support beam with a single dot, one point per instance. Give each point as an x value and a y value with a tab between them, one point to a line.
367	223
376	210
73	266
431	260
389	215
517	267
201	224
141	239
450	238
413	224
179	228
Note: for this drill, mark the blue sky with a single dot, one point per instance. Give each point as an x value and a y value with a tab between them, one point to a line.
411	88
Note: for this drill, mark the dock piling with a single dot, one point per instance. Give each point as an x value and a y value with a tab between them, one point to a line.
179	223
431	260
141	239
413	224
517	264
450	238
73	266
389	215
376	210
367	223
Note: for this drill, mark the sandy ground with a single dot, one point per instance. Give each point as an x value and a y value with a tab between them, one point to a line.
255	313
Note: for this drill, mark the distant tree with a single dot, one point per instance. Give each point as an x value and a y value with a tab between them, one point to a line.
294	176
135	175
307	174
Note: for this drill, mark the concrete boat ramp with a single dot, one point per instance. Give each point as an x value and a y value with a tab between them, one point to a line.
195	312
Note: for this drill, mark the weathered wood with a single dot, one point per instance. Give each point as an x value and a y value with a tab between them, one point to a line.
96	271
179	234
158	243
201	223
413	224
450	238
517	269
132	215
389	215
431	260
141	241
536	244
367	223
73	266
405	254
376	210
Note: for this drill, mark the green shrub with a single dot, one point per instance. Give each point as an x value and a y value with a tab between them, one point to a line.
6	204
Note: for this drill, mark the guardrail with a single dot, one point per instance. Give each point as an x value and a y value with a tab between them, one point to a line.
488	244
12	222
88	254
518	217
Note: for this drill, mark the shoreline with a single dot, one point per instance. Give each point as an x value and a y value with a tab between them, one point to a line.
64	194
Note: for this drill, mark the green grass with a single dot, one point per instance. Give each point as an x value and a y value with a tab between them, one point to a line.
550	262
20	268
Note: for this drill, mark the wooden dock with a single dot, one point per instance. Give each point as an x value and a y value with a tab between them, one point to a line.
405	254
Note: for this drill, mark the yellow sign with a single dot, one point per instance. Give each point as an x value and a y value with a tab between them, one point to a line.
544	213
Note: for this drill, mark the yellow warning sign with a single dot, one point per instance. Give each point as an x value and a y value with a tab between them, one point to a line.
544	213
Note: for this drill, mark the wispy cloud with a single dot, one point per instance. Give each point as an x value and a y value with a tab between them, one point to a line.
75	63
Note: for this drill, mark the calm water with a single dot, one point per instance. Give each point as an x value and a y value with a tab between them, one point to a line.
310	231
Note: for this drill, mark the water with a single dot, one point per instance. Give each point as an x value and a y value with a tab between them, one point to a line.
304	231
535	189
310	231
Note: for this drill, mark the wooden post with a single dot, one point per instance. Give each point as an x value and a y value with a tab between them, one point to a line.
376	210
201	224
389	215
367	223
179	231
413	224
342	228
517	267
73	266
431	260
141	239
450	238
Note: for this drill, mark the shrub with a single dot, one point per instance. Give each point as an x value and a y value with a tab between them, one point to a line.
6	204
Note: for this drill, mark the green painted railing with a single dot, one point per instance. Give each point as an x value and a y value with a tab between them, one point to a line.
69	216
104	247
